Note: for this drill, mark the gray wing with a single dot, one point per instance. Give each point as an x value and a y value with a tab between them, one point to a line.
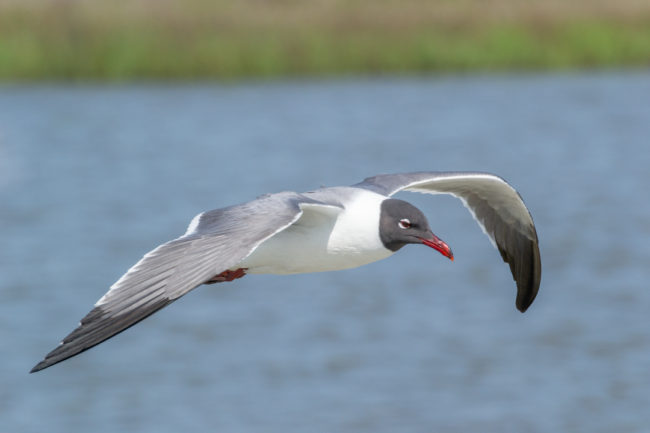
495	205
215	241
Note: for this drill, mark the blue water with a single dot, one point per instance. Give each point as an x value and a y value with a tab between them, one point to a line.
92	177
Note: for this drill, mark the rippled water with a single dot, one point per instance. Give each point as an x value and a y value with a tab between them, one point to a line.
92	177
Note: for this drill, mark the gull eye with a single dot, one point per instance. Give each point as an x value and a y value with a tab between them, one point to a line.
404	223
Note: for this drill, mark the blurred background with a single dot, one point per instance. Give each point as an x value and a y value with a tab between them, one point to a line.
203	39
120	121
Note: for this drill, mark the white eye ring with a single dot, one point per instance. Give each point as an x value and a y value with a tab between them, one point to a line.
404	223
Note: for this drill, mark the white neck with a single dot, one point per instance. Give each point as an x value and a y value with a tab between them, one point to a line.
357	228
313	245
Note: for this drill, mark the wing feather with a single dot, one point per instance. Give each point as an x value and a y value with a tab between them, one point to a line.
495	205
215	241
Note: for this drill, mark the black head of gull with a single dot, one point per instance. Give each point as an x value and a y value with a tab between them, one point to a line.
401	223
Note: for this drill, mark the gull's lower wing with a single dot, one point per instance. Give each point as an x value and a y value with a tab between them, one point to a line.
159	278
495	205
215	241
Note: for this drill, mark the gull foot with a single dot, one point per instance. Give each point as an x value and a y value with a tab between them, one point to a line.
227	276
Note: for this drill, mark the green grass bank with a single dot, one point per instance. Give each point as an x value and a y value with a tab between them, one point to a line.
198	39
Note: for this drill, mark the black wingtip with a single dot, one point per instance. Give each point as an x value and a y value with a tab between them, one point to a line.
523	307
38	367
49	360
525	298
527	288
97	326
526	268
526	293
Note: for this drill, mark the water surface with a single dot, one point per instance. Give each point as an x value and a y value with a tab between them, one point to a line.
92	177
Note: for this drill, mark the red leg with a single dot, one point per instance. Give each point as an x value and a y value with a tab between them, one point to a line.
227	276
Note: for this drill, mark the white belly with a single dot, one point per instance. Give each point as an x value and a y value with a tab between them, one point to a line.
320	242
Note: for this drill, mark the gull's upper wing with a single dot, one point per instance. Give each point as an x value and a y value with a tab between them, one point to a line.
215	241
495	205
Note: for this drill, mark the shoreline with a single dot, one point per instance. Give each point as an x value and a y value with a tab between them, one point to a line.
47	41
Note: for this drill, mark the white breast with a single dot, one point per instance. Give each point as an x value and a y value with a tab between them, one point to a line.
321	241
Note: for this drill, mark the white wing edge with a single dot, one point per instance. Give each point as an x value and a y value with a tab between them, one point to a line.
514	201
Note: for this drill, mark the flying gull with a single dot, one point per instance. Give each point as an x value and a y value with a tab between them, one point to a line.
323	230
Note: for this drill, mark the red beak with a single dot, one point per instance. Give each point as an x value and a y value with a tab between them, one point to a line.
437	244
